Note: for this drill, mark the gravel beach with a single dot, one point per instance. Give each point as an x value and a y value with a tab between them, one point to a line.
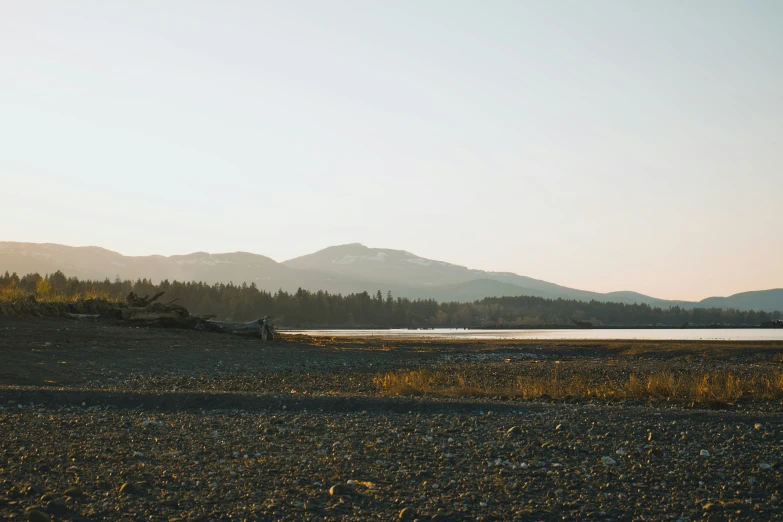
103	422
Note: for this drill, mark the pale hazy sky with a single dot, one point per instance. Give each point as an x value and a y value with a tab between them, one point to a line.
602	145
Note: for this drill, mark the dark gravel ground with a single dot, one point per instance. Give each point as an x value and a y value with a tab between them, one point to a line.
111	423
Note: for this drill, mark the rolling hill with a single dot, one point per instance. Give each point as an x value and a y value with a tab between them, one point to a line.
339	269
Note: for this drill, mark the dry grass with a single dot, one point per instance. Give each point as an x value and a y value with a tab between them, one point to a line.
708	389
8	295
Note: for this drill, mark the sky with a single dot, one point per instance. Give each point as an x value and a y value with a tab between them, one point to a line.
602	145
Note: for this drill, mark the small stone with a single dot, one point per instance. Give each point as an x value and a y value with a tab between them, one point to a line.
56	506
608	461
516	431
129	488
711	506
312	505
407	513
758	426
340	490
37	516
764	466
704	453
74	491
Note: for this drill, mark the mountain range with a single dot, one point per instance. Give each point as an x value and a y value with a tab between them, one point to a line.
338	269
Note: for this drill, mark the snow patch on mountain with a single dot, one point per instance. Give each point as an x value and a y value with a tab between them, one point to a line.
348	259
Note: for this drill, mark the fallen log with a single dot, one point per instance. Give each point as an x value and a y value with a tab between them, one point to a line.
252	328
82	316
154	312
170	315
134	301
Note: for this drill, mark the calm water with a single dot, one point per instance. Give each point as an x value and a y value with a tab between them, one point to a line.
674	334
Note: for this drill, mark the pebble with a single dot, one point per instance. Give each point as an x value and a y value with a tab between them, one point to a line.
37	516
74	491
608	461
340	490
129	488
407	513
56	506
514	432
704	453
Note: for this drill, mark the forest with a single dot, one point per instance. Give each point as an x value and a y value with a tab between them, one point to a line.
320	309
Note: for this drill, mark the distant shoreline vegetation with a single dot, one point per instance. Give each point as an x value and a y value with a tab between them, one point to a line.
307	309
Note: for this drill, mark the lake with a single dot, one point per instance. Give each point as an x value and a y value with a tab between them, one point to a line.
662	334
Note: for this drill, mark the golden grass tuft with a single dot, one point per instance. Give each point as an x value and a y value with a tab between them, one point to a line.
702	388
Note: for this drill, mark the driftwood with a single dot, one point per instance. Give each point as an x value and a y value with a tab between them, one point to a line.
155	314
135	301
582	324
170	315
254	328
81	316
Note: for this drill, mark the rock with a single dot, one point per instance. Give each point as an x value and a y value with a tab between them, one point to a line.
56	506
711	506
129	488
37	516
764	466
312	505
758	426
608	461
516	431
340	490
49	495
704	453
74	491
407	513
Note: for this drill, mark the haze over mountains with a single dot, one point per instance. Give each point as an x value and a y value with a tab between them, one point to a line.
339	269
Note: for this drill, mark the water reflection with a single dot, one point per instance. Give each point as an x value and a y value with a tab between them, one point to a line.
674	334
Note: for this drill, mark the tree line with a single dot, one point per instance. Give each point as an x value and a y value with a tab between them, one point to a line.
304	308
